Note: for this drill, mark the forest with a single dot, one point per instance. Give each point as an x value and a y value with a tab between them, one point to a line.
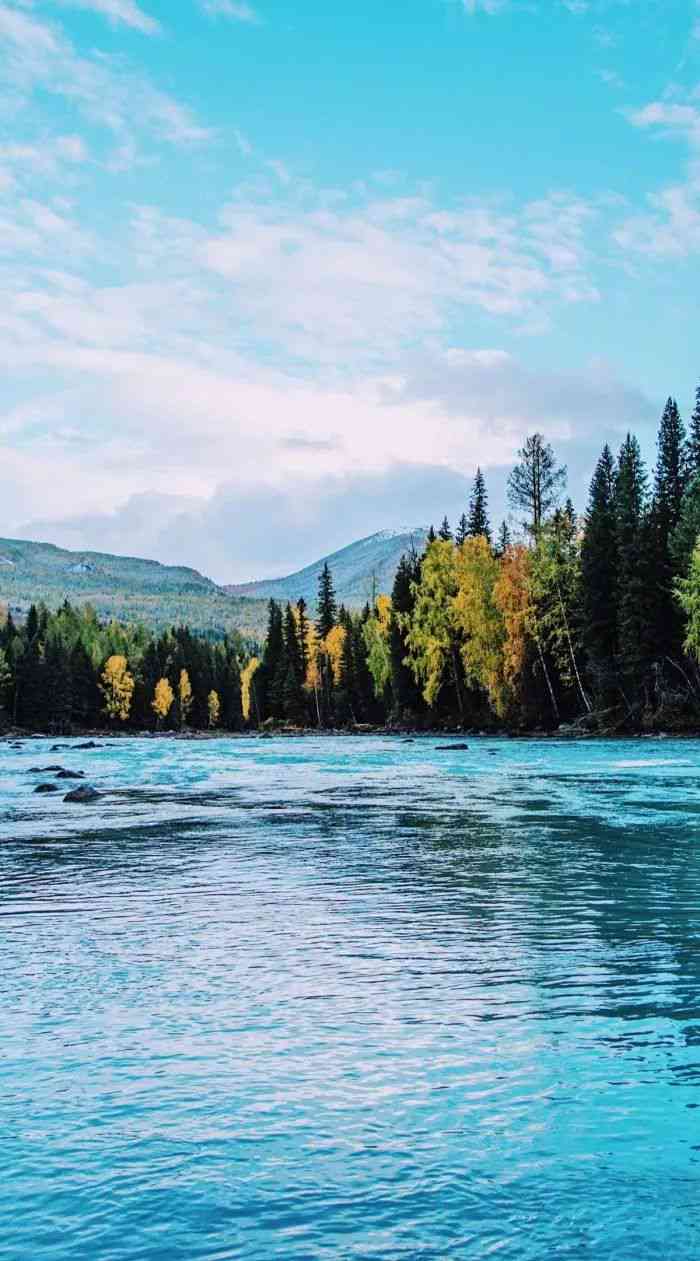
587	622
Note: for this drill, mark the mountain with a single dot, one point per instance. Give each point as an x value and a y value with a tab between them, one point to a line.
360	568
122	587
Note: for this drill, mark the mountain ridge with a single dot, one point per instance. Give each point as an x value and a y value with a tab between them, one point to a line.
134	588
357	568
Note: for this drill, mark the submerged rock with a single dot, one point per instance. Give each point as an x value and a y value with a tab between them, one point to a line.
450	748
46	788
89	744
85	793
44	770
70	775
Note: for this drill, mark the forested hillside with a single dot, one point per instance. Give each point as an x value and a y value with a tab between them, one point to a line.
123	588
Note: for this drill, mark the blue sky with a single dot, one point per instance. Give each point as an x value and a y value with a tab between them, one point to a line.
276	276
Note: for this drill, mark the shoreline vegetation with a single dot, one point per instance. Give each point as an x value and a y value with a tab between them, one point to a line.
573	626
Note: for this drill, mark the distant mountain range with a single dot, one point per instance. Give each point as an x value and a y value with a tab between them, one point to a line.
359	570
131	589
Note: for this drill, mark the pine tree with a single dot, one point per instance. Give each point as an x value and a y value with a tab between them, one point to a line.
687	531
327	607
293	690
633	561
445	533
58	689
478	521
271	676
599	562
432	536
535	482
303	631
670	479
693	446
29	684
405	692
462	530
345	695
504	539
228	686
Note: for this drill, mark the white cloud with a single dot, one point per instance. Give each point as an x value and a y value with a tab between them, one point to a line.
37	57
671	227
124	12
237	12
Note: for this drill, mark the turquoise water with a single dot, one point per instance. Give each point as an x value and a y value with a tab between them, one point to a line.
351	998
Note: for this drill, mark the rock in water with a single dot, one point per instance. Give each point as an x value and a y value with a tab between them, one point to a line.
450	748
71	775
46	788
85	793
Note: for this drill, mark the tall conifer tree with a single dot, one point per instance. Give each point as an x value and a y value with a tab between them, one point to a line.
327	606
599	572
633	560
478	520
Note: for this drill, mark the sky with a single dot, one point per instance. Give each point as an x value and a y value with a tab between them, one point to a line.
278	275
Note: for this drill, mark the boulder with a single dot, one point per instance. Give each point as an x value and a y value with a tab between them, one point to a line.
450	748
70	775
89	744
85	793
46	788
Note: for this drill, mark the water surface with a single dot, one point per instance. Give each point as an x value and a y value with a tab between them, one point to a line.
320	998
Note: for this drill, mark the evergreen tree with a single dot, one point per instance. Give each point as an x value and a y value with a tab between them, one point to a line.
303	637
273	672
687	531
367	706
693	446
293	690
405	691
504	539
58	691
85	695
599	563
227	677
633	546
345	696
535	482
665	619
462	530
670	478
478	521
30	709
432	536
445	533
327	607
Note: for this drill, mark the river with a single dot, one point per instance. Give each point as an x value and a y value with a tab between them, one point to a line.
323	998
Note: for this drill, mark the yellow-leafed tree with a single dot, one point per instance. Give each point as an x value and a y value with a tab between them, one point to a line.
213	708
184	695
513	597
248	687
432	633
163	698
333	646
479	619
117	687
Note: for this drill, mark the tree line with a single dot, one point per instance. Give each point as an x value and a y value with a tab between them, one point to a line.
592	619
66	670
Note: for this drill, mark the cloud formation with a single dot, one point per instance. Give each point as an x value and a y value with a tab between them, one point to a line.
118	12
